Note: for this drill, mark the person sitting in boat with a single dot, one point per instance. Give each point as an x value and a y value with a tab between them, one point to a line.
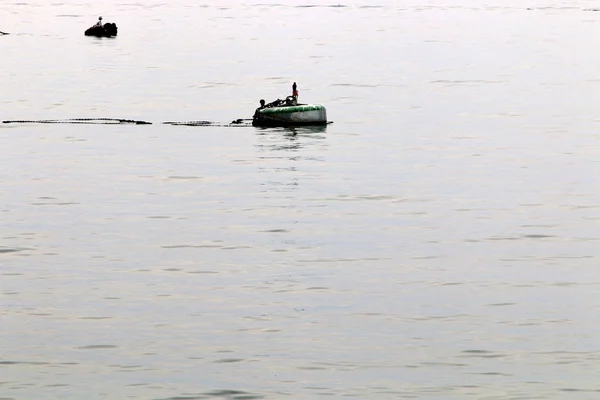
99	23
275	103
262	105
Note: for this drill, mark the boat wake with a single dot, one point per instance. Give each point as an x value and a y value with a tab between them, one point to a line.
120	121
97	121
240	122
235	123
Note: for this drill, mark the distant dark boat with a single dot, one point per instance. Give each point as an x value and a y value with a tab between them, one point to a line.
3	33
107	30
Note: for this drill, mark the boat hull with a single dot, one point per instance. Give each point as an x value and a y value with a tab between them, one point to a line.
298	115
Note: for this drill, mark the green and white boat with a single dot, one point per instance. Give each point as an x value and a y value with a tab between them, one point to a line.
290	115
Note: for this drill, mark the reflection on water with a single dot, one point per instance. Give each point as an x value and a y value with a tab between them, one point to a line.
316	129
290	139
285	157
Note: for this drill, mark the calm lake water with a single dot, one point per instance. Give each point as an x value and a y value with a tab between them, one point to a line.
439	240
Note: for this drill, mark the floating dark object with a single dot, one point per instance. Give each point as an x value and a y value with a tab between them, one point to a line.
107	30
3	33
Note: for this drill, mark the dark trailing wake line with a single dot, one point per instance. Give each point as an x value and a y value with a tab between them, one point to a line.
105	121
119	121
236	122
240	122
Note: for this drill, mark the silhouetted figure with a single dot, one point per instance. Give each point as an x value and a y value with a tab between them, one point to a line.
295	93
275	103
262	105
99	23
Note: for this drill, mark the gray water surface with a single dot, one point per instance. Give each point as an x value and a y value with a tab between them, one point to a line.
439	240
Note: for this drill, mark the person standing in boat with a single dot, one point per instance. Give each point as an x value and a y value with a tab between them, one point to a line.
295	93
